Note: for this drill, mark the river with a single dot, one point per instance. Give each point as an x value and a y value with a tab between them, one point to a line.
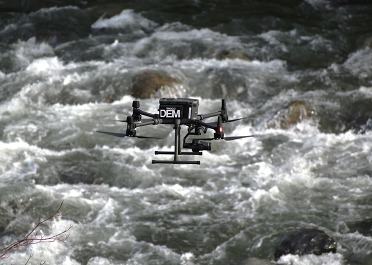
67	68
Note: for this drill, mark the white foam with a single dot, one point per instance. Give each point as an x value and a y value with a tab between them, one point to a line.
27	51
99	261
106	213
19	159
204	35
47	66
325	259
187	258
126	19
359	63
167	45
366	91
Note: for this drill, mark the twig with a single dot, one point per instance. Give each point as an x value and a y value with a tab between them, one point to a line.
28	239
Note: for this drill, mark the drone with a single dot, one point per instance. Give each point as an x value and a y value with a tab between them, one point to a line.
177	112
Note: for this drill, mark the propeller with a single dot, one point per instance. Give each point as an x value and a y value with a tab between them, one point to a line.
237	119
228	138
121	135
142	120
232	138
219	134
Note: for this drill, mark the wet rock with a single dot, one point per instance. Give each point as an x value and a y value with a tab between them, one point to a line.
304	242
293	113
255	261
232	54
30	6
367	43
363	227
354	115
357	115
349	2
146	83
59	25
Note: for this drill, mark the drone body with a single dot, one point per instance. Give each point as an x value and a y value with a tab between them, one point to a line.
177	112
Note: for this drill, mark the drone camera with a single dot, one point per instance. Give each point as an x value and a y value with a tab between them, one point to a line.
178	108
197	145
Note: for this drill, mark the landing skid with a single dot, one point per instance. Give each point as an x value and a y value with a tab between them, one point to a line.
177	149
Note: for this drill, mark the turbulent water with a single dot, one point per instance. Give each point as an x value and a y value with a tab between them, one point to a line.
66	69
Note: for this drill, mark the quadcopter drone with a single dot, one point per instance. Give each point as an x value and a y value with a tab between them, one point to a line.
177	112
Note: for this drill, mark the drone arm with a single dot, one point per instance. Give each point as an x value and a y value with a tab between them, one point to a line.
222	113
209	115
141	112
153	122
207	125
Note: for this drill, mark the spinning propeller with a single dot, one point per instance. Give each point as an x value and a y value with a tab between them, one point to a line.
131	128
219	134
122	135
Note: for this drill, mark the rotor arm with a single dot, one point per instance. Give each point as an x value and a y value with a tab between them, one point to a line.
209	115
145	113
222	113
137	112
153	122
207	125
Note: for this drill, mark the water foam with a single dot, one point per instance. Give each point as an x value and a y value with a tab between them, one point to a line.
127	19
325	259
25	52
359	64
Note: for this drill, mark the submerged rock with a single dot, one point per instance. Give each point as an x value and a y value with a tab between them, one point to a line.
255	261
232	54
304	242
293	113
146	83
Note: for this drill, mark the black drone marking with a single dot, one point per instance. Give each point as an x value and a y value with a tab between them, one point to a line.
180	111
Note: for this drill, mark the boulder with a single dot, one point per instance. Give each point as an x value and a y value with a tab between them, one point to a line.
293	113
304	242
146	83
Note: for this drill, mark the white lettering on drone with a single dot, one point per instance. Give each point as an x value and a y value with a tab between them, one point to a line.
170	113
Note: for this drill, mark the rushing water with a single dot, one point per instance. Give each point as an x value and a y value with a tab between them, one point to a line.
67	70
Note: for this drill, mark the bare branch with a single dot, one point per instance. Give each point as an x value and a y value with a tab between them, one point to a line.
35	237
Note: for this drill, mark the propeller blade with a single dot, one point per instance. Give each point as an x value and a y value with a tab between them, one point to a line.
148	137
239	119
142	120
231	138
206	139
121	135
214	124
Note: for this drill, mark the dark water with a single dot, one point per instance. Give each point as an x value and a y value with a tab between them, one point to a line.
67	69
